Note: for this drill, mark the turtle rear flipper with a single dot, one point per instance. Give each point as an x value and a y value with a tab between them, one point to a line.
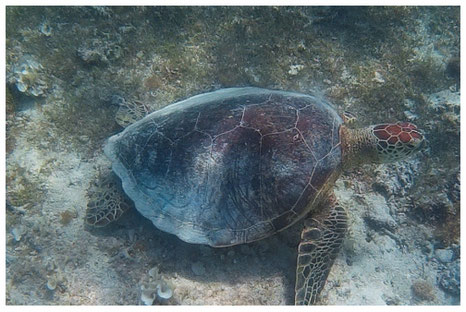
321	240
106	200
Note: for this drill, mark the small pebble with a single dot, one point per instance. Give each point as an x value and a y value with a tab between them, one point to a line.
444	255
52	283
411	116
17	232
294	69
198	268
378	77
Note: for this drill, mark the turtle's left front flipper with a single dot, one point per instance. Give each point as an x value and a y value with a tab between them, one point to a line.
321	240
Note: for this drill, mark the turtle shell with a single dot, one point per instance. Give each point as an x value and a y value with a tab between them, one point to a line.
231	166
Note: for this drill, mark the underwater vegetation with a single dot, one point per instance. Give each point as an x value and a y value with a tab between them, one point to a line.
77	75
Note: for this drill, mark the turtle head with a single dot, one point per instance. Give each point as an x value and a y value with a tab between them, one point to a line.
380	143
395	141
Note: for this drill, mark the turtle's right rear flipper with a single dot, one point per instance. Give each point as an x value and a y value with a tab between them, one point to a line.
321	240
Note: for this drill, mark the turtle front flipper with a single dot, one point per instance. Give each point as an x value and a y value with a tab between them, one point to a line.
106	200
321	240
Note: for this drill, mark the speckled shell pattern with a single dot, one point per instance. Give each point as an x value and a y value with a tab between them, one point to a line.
230	166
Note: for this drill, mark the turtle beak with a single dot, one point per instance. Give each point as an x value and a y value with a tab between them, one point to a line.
417	140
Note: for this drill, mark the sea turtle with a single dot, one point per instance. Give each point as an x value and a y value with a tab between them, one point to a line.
237	165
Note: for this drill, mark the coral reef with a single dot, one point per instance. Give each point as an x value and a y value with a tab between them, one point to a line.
154	287
449	278
423	290
446	106
76	75
27	74
454	69
99	52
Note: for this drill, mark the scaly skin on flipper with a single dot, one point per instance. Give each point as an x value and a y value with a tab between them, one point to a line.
320	243
107	201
